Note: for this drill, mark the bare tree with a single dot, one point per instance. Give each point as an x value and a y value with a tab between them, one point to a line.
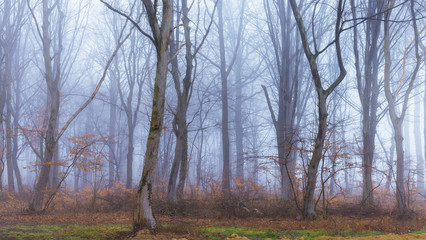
183	89
53	75
54	96
135	77
368	88
322	94
396	107
225	70
11	25
287	56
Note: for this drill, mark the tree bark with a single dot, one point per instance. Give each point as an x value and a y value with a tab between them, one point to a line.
50	143
308	210
144	217
183	91
391	98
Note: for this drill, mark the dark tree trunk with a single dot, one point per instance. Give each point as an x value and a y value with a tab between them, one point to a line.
308	210
226	184
50	142
183	91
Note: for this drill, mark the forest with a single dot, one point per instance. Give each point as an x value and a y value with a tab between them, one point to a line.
212	119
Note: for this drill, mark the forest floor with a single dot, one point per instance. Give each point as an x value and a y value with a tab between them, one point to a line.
117	225
86	223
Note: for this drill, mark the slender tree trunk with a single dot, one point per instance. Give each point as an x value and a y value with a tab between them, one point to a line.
368	90
183	171
239	132
308	210
50	143
130	150
391	163
9	135
418	142
226	184
396	120
76	179
287	93
400	183
183	92
309	190
112	132
407	145
180	160
200	154
16	116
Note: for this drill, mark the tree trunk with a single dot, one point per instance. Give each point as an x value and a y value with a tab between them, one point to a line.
407	145
400	183
50	143
16	115
180	160
76	179
391	98
239	132
112	133
9	134
287	93
226	184
308	193
143	217
183	92
368	91
308	210
8	118
200	154
130	149
183	171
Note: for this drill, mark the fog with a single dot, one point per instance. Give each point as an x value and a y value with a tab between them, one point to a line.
300	100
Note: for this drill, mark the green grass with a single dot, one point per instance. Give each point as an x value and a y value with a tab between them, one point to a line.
67	232
80	232
220	232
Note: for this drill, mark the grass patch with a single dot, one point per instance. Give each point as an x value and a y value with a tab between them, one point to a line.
220	232
67	232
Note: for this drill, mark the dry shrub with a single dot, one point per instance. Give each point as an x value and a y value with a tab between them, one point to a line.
246	200
104	199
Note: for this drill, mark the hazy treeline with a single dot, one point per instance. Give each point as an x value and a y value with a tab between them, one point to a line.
297	98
